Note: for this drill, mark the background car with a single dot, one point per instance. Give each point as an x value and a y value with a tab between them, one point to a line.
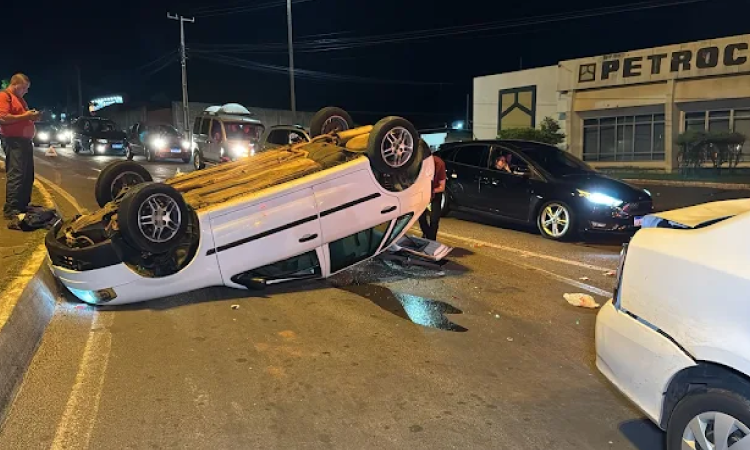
675	339
543	185
158	141
98	136
282	135
48	133
308	210
225	133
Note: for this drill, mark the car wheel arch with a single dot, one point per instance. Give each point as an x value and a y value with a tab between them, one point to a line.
698	379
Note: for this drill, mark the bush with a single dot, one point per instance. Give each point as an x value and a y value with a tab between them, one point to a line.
548	133
699	147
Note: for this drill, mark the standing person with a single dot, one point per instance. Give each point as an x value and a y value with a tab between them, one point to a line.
17	127
429	221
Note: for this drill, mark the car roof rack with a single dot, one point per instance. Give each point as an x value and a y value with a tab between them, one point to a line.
234	109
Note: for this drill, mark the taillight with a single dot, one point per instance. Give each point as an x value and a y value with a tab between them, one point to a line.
618	276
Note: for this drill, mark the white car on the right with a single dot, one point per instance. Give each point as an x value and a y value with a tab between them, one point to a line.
675	339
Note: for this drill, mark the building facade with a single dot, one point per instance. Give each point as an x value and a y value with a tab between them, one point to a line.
627	109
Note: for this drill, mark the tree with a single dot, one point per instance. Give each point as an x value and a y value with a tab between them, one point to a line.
548	133
718	147
4	84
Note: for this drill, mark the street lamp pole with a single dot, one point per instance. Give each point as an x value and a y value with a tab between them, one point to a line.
183	63
291	56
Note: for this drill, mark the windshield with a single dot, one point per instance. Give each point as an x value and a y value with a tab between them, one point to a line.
43	125
553	160
244	131
104	125
167	130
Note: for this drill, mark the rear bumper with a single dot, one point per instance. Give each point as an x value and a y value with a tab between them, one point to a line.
637	359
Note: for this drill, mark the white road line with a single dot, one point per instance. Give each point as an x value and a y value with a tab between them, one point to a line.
525	253
63	193
78	420
95	169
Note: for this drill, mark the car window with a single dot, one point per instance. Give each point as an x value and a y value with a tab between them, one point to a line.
472	155
245	131
401	223
557	162
297	136
357	247
278	137
197	126
204	126
216	135
298	266
505	161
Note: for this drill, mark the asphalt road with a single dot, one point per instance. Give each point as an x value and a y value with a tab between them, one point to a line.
485	354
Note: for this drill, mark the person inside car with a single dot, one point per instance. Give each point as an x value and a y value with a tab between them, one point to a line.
503	163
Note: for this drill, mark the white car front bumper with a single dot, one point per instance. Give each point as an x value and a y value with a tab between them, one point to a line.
638	359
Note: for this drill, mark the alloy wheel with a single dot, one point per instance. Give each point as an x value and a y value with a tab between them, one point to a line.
555	220
125	180
159	218
398	147
714	431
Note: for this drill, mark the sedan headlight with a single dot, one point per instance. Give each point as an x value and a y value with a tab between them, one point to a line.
101	141
159	142
43	136
600	199
240	150
186	145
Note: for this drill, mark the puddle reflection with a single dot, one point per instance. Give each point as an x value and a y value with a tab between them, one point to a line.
420	310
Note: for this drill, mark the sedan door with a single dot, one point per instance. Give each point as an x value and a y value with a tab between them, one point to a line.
268	232
507	194
464	171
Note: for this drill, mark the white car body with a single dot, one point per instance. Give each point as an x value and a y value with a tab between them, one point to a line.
272	225
681	306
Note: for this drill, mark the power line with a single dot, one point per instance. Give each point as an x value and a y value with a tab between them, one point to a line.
346	43
243	9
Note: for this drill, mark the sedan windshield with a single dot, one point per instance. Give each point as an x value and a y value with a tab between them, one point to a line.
553	160
104	125
243	131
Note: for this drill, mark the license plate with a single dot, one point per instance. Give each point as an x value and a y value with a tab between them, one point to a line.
638	221
116	145
176	150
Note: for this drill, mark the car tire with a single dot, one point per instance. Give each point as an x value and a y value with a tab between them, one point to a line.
141	218
149	155
704	405
393	147
77	147
129	153
329	120
446	206
556	229
198	162
117	176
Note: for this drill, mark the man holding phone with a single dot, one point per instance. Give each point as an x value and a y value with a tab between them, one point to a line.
17	127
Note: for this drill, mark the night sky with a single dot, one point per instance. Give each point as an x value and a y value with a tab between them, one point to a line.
414	58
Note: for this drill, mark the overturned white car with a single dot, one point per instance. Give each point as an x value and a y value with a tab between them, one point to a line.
301	211
675	339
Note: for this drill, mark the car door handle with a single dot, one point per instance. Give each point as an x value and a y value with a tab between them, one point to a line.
484	180
308	237
388	209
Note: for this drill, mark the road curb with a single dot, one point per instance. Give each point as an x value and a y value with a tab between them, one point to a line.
26	308
675	183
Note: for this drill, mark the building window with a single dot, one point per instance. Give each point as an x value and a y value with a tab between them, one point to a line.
624	138
517	108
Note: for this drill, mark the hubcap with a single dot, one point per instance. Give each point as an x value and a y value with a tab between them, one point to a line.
715	431
197	161
334	124
397	147
555	220
159	218
125	180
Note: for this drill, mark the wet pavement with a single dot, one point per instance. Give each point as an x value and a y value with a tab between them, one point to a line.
483	353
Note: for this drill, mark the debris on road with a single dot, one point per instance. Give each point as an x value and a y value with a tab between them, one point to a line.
611	273
584	278
510	339
50	151
582	300
235	306
497	316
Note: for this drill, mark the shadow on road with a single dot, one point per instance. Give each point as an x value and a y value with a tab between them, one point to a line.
643	434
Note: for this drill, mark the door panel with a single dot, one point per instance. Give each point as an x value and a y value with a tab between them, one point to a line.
266	232
352	203
504	193
464	173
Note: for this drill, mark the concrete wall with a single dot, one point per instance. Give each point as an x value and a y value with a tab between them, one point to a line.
269	117
487	100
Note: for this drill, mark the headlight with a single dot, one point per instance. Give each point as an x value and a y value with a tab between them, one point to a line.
101	148
101	141
600	199
44	135
240	150
159	142
186	145
94	297
648	192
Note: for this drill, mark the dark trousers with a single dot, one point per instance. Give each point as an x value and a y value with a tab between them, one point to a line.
429	221
19	174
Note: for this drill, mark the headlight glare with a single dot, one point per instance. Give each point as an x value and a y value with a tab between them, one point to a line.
600	199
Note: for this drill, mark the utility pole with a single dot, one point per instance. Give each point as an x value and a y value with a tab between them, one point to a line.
291	55
183	58
80	94
468	126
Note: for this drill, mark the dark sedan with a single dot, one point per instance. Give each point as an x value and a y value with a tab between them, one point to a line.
158	141
535	183
98	136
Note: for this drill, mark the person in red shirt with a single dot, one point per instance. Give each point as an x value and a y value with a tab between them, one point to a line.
17	128
429	221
